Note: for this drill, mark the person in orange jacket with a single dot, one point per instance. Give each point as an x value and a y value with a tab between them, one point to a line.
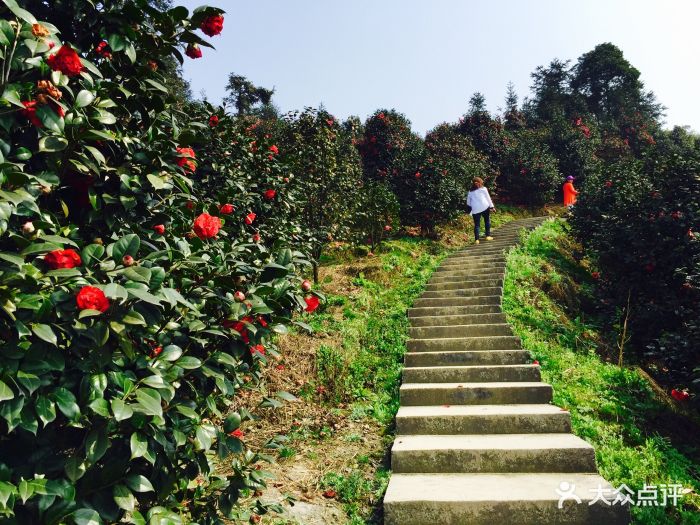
569	192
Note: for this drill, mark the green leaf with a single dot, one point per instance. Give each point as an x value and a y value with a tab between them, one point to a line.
144	296
121	410
50	119
87	517
203	437
116	42
139	483
96	444
127	245
66	403
124	498
286	396
14	259
45	409
23	154
138	274
135	318
148	401
100	406
64	273
28	380
171	353
19	12
97	155
5	392
157	182
25	490
84	98
74	468
92	254
130	52
52	144
138	444
188	363
45	333
157	85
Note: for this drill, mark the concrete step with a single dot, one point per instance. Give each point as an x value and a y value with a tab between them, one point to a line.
475	258
488	393
451	320
465	374
482	419
468	272
458	301
462	275
508	499
452	310
473	265
461	344
473	282
473	358
464	330
492	453
464	292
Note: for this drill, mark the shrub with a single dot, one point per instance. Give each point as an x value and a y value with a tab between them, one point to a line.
130	318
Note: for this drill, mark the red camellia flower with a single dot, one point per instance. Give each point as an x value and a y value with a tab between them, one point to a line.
185	159
62	259
679	395
238	433
387	228
156	351
274	150
212	25
193	51
159	229
250	218
330	493
330	121
595	275
280	367
262	321
259	349
206	226
65	60
256	237
213	121
29	112
608	184
226	209
239	326
189	205
312	303
270	194
91	298
535	362
418	175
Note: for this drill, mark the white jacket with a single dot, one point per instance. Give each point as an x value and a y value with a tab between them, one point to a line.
479	200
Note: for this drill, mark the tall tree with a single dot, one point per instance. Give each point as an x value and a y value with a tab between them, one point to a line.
477	103
551	91
245	96
514	118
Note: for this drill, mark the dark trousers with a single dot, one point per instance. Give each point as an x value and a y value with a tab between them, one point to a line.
477	223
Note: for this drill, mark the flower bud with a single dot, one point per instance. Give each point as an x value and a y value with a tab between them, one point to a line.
128	260
28	228
306	285
239	296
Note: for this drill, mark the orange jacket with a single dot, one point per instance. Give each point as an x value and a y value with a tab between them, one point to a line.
569	194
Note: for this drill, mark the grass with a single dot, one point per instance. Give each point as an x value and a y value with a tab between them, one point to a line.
638	437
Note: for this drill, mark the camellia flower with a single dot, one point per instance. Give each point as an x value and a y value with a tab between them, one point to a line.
226	209
679	395
40	31
238	433
256	237
206	226
274	150
193	51
270	194
259	349
65	60
239	326
62	259
185	159
189	205
159	229
250	218
595	275
212	25
91	298
101	49
608	184
213	121
262	321
418	175
312	303
29	112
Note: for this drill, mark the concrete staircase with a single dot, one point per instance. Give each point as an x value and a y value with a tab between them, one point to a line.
478	441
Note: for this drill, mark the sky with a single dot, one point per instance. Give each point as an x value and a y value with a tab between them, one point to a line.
425	58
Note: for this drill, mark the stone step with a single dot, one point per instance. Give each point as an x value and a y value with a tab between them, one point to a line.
462	275
461	344
492	453
482	419
465	374
463	330
464	292
458	301
488	393
473	282
473	265
508	499
474	358
469	272
475	258
414	313
451	320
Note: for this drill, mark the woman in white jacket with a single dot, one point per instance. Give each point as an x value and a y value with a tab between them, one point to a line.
481	205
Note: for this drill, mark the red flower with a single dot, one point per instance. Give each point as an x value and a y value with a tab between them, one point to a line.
259	349
239	326
212	25
156	351
280	367
387	228
206	226
274	150
184	159
193	51
62	259
330	493
256	237
330	121
213	121
312	303
595	275
418	175
608	184
91	298
238	433
159	229
250	218
65	60
101	49
262	321
270	194
381	116
536	362
679	395
29	112
189	205
226	209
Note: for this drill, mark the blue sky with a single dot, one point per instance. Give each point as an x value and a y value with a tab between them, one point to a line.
426	57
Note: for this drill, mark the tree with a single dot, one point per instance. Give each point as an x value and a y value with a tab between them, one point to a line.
244	95
551	90
514	118
477	104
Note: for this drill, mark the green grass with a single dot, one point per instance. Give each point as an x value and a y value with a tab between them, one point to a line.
637	437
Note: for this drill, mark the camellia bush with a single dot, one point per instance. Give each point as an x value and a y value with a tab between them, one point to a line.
140	282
